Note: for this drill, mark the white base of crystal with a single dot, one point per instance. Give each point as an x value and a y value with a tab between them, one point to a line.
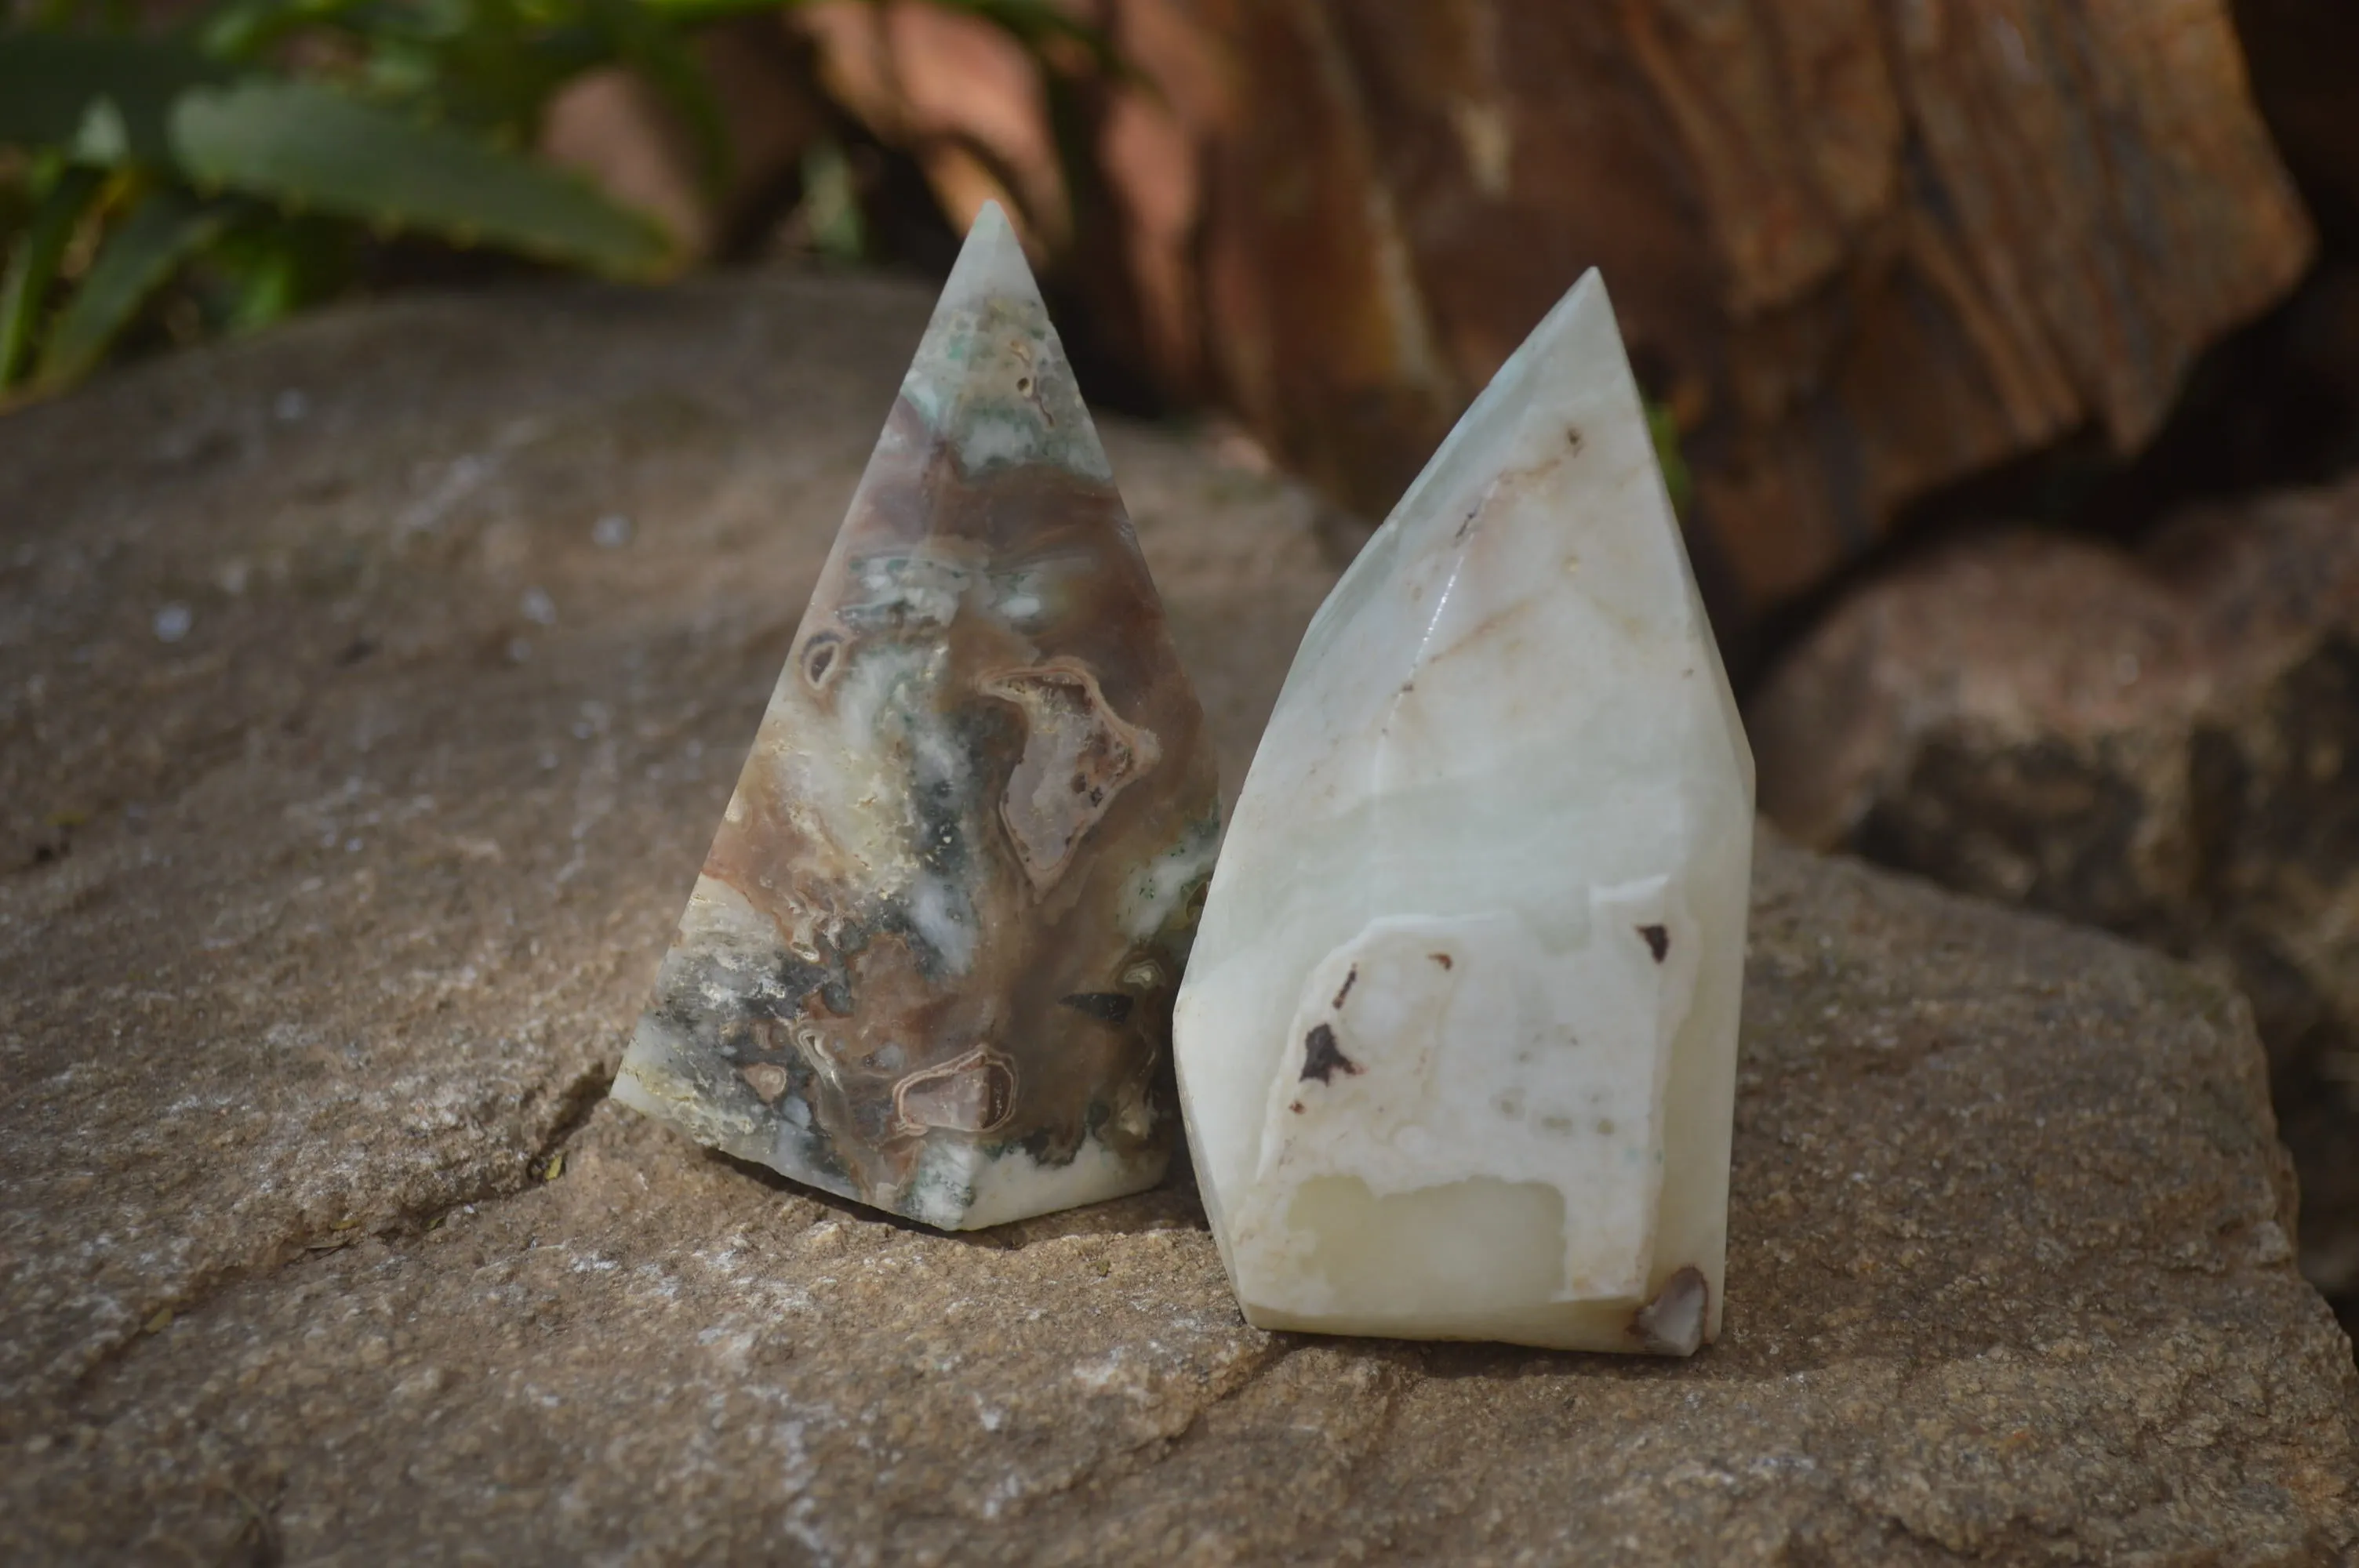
1471	1261
1469	1130
1439	1056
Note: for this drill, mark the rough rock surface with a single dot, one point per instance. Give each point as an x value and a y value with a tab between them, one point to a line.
369	692
2165	744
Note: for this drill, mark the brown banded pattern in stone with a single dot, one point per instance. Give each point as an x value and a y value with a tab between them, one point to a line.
1077	755
929	963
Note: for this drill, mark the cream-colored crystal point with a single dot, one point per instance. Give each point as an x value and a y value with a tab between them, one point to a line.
1457	1045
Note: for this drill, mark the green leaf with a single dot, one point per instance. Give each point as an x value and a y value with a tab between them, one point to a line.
318	149
270	265
495	75
33	263
110	99
162	232
247	29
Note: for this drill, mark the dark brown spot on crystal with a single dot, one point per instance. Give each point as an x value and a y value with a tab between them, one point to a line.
1321	1056
1659	940
1443	959
1346	990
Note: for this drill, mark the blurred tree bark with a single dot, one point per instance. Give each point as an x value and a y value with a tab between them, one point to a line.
1860	247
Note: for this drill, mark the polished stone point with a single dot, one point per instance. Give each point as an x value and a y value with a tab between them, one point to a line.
930	963
1458	1042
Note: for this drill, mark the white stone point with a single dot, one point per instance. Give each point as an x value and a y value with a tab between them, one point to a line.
1457	1043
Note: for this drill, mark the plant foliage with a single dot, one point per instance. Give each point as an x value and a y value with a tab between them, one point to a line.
246	159
254	142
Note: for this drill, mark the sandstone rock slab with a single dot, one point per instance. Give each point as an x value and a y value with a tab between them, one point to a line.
322	1246
310	916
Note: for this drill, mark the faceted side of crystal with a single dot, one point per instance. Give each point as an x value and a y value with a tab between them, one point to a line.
929	964
1457	1043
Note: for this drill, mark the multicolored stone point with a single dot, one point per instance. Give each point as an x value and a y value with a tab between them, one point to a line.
929	965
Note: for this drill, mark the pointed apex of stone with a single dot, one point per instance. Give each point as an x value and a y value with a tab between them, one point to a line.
991	264
1582	333
1583	305
990	379
1567	392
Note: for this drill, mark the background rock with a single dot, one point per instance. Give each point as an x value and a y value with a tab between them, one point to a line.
1862	248
768	113
2166	743
2301	53
369	692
